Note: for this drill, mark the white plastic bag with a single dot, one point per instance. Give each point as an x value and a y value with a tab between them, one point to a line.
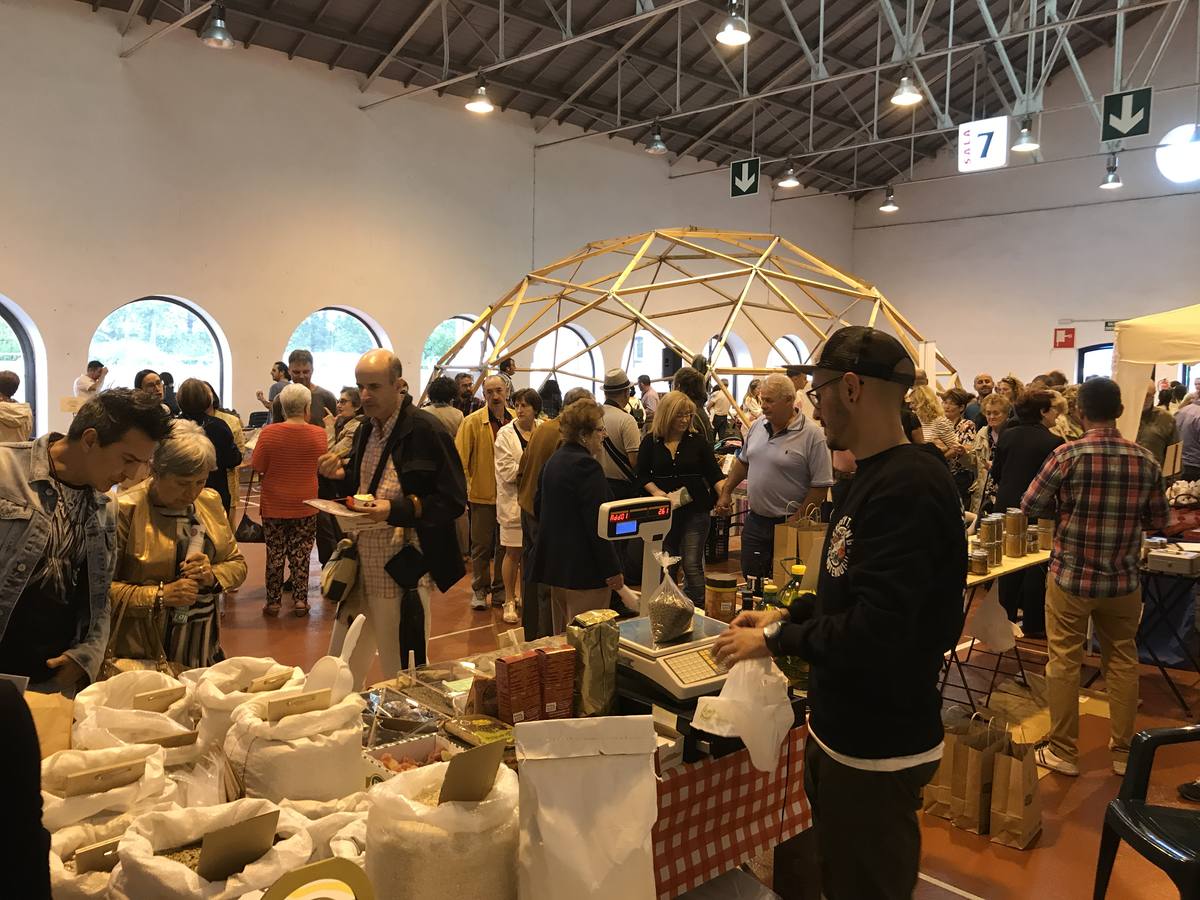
753	705
337	827
671	612
143	876
203	782
108	727
308	756
119	691
460	851
988	623
587	784
220	689
152	787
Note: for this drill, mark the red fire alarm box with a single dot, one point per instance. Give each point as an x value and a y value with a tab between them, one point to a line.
1064	338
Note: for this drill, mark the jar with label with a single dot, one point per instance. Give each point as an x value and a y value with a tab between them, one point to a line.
978	562
720	596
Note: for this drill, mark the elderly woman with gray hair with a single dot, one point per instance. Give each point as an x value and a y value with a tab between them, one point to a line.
286	456
175	555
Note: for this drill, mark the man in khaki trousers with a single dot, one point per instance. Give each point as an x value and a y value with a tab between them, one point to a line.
1104	492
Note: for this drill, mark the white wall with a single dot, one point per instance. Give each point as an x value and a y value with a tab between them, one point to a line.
989	263
256	188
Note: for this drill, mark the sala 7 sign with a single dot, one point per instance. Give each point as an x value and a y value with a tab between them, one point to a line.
983	145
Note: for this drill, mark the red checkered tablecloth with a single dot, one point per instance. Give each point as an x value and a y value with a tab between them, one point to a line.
716	814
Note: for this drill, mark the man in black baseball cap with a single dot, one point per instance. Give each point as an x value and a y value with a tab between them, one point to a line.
888	607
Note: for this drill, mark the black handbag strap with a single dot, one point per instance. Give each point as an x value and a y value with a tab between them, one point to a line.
619	459
249	491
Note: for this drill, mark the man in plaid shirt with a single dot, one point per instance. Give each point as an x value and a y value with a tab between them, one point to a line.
1104	492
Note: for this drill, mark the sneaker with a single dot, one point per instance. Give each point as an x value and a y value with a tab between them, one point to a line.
1190	791
1046	759
510	613
478	602
1119	767
498	600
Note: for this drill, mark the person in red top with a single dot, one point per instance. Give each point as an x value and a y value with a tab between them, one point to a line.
1104	491
286	456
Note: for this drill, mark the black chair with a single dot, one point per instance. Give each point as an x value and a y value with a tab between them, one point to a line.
259	419
1167	837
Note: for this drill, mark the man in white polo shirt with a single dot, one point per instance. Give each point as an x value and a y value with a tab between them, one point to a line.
789	468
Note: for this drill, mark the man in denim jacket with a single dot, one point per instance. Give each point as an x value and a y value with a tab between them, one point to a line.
58	536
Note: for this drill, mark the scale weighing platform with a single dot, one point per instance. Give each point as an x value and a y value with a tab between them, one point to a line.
684	668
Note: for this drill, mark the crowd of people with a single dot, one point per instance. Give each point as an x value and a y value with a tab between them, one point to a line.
123	530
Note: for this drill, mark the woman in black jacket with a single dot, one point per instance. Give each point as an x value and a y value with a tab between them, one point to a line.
675	456
580	566
1021	451
195	400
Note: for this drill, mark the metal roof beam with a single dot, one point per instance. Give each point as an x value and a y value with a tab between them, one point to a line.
404	38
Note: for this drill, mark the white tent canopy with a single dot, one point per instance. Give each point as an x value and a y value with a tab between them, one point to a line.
1171	337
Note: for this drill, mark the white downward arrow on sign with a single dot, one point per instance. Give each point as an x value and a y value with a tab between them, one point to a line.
744	180
1128	120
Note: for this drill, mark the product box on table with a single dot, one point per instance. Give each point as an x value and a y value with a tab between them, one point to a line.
556	667
519	688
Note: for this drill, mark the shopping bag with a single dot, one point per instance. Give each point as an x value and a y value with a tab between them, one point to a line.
799	541
249	531
1016	809
52	717
972	772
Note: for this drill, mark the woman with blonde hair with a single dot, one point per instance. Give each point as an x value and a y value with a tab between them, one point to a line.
751	404
673	457
1068	425
996	411
934	424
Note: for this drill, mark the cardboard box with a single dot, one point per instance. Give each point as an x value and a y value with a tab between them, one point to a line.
519	688
556	666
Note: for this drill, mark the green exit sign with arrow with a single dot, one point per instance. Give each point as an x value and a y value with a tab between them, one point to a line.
744	177
1126	115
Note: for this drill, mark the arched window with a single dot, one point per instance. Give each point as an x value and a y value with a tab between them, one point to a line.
643	356
469	357
788	350
16	355
557	349
727	360
336	337
159	333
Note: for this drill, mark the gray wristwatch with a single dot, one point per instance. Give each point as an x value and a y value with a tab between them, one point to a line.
771	636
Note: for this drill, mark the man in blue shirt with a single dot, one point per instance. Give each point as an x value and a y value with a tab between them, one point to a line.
789	470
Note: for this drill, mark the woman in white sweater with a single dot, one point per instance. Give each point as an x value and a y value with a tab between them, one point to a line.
511	441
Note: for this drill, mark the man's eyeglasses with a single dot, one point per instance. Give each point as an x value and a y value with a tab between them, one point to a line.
812	394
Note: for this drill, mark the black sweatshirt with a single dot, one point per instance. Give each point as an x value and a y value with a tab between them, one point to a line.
889	605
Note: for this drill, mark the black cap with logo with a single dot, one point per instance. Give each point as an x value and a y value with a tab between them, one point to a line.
867	352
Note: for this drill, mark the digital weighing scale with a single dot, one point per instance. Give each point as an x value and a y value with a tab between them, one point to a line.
684	669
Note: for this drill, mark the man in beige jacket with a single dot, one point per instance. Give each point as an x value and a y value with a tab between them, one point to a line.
16	419
476	442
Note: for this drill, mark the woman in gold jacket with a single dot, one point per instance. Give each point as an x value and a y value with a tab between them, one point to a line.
175	555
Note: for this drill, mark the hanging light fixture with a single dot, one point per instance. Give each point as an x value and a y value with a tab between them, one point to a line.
735	32
215	32
1026	142
906	93
480	102
1112	179
889	204
656	146
789	179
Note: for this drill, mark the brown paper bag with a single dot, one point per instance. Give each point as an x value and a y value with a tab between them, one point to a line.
936	794
1016	809
971	775
52	717
798	541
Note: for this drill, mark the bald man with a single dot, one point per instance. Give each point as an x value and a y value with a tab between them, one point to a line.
406	542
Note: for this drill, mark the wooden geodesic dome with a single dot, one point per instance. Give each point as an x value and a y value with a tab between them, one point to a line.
760	282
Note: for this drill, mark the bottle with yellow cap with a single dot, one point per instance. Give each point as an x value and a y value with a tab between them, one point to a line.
793	593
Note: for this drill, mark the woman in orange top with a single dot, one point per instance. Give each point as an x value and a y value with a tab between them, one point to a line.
286	456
